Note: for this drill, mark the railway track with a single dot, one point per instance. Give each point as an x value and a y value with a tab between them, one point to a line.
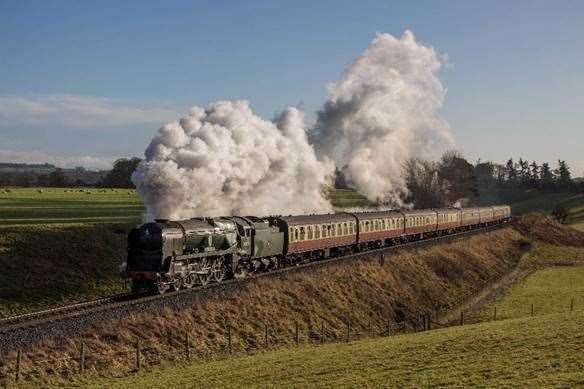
30	321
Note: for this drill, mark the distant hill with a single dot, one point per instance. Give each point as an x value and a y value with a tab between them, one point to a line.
27	174
26	167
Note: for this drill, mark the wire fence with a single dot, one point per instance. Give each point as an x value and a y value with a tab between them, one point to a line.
179	347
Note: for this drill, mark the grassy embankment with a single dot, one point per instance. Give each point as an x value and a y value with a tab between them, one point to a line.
529	352
362	292
62	245
574	204
515	350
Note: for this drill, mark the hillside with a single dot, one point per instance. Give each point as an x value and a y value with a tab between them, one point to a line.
514	350
361	292
529	352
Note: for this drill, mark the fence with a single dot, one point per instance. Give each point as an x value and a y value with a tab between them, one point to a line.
175	347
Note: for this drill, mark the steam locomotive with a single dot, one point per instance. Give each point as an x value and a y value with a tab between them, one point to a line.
171	255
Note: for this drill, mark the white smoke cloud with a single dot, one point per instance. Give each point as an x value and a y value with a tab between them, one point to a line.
225	160
382	112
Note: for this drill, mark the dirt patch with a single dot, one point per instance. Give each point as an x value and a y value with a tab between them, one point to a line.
544	228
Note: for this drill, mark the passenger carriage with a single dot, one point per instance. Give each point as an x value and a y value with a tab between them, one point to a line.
319	232
381	226
420	222
448	219
501	212
470	217
486	215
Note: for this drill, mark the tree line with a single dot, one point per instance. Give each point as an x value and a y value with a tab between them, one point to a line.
455	181
50	176
452	180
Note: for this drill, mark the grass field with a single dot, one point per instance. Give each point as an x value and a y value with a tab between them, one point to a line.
27	206
22	206
529	352
515	350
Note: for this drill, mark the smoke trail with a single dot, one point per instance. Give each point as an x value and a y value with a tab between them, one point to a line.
382	112
225	160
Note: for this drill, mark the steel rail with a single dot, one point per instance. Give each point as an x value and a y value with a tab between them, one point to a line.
38	318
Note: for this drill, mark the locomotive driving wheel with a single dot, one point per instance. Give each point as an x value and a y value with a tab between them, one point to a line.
218	269
190	280
177	284
204	275
160	286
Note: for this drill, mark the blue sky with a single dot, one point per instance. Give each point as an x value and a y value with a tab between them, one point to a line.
84	82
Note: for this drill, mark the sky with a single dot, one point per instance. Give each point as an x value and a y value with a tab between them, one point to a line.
83	83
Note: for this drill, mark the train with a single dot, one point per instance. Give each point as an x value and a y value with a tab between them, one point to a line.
170	255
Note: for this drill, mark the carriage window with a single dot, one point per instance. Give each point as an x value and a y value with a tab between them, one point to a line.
332	228
324	231
291	234
345	230
339	229
317	232
302	233
309	232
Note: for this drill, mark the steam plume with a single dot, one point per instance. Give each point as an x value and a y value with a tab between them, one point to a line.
382	112
223	160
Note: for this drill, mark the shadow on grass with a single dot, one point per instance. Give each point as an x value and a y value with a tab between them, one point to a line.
47	265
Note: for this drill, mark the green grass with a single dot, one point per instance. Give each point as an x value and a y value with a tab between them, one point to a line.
61	245
26	206
549	290
347	198
528	352
48	265
545	202
575	207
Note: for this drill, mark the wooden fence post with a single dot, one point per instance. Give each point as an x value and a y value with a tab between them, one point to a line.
348	330
297	336
322	338
461	318
495	314
187	346
82	358
138	361
429	322
531	309
381	258
267	343
388	327
572	305
229	338
18	364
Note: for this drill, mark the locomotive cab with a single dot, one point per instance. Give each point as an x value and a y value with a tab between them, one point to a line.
150	250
